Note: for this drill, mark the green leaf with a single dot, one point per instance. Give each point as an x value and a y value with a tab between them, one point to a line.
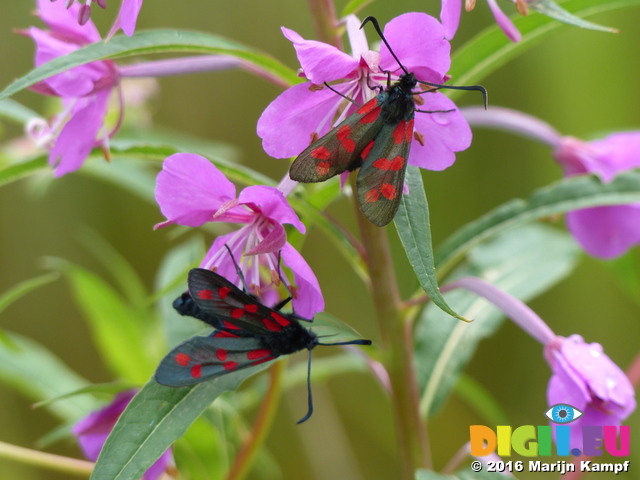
156	417
16	171
414	229
38	374
560	197
555	11
523	262
491	48
354	6
156	41
119	331
18	113
108	389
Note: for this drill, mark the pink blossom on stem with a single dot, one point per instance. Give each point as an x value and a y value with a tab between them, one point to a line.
308	110
605	232
583	375
191	191
92	431
451	10
85	90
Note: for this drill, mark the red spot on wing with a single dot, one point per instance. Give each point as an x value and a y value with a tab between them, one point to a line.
365	151
409	131
221	353
230	325
367	107
182	359
399	133
321	153
343	132
372	116
323	168
262	360
258	353
372	196
237	313
271	325
397	163
205	294
222	333
388	191
230	365
348	144
196	371
251	308
223	292
393	165
280	319
343	135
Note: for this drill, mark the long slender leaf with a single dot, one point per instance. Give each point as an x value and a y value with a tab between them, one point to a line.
157	41
491	48
563	196
16	112
414	229
459	475
156	417
522	262
16	171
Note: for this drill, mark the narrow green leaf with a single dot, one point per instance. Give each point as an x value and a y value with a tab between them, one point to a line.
491	48
108	389
156	417
37	373
524	263
156	41
354	6
560	197
16	171
555	11
16	112
118	330
414	229
466	474
22	288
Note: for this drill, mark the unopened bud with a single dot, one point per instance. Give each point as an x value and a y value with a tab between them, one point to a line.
102	3
84	14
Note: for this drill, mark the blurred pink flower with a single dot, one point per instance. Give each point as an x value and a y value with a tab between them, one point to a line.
450	16
126	19
92	431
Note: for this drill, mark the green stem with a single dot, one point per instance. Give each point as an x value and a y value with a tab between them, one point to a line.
49	461
323	14
397	351
264	420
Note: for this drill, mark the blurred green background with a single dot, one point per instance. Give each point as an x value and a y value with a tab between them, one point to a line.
582	82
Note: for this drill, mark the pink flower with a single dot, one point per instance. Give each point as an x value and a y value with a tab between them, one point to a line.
585	378
301	113
604	232
450	15
126	19
192	191
92	431
85	90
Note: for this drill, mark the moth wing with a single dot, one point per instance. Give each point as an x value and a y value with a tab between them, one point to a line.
237	310
339	150
202	358
381	178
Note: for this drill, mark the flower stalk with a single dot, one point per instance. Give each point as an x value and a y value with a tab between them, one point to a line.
49	461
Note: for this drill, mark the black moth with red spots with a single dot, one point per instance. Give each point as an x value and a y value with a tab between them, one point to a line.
247	333
376	139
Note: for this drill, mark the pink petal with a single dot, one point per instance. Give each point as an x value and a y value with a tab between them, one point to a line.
418	41
288	122
444	133
190	189
65	24
79	135
321	62
223	264
450	16
606	232
504	23
127	18
616	153
272	204
272	242
357	37
309	299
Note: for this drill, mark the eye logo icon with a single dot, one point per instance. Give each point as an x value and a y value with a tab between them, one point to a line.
563	413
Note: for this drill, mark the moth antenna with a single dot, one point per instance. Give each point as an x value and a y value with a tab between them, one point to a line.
360	341
310	397
238	271
479	88
376	25
343	96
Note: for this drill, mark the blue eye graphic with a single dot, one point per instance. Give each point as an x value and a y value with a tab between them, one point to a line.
563	413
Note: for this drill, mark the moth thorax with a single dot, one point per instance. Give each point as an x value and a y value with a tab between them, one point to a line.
293	338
